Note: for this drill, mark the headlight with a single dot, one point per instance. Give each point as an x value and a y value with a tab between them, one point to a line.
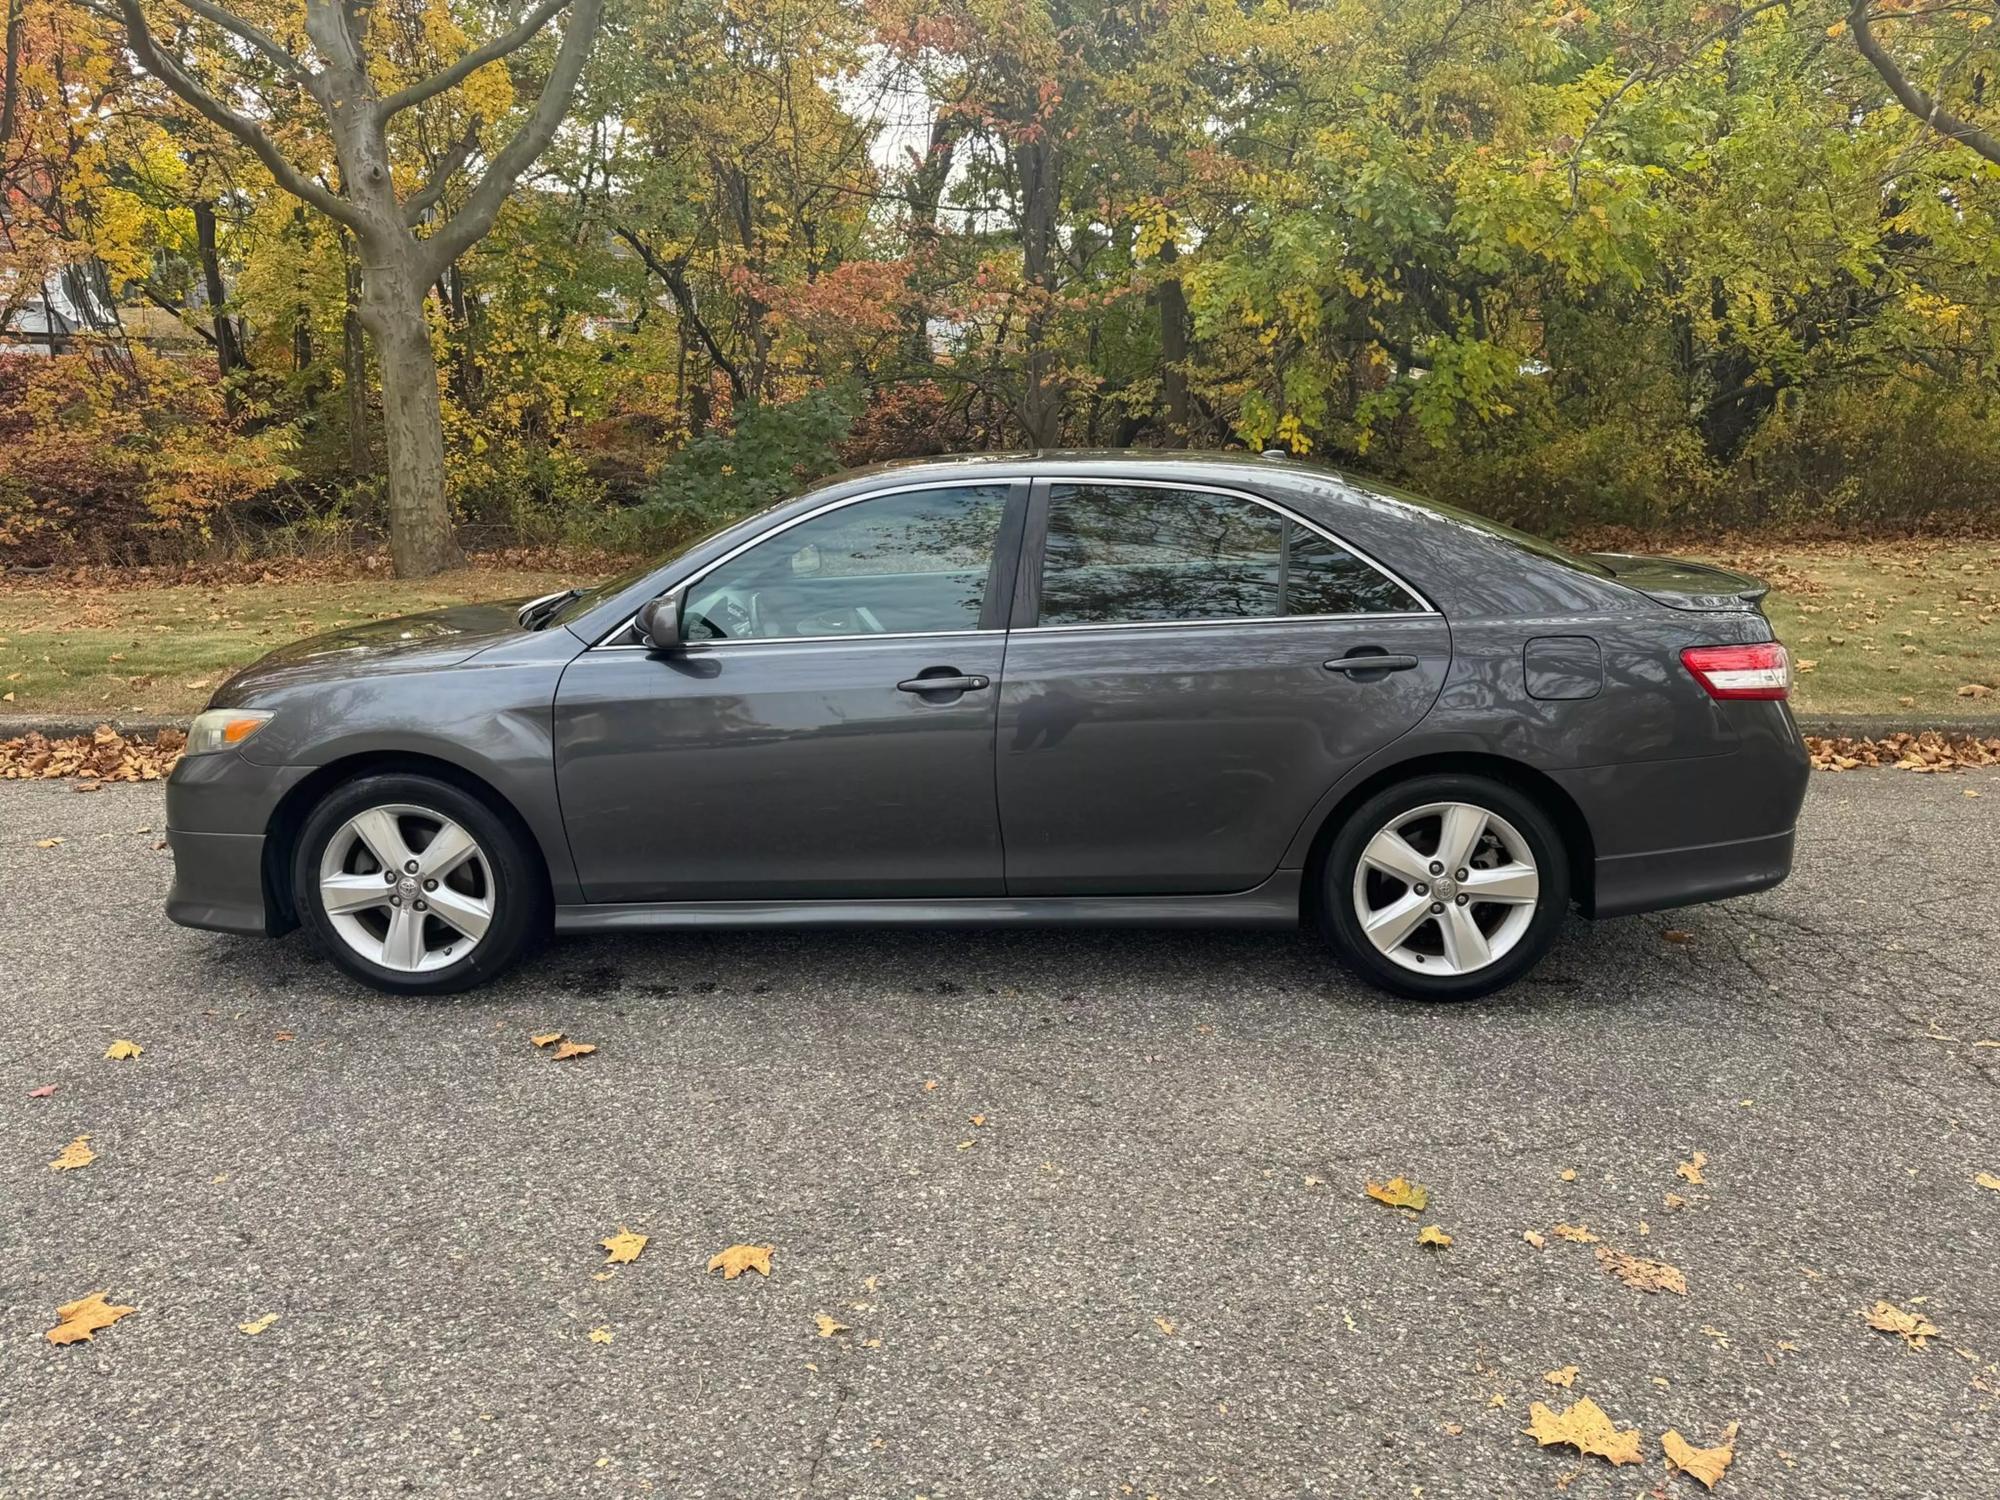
224	728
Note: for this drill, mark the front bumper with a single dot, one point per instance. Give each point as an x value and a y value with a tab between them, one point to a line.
218	809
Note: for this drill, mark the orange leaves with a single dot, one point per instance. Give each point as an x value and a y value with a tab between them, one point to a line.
1914	1329
1690	1170
828	1327
1586	1428
1929	751
1576	1234
574	1049
1705	1465
546	1038
105	755
76	1154
737	1259
1400	1192
79	1320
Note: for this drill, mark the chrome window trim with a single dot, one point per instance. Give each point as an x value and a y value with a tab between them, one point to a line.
1119	482
1412	614
805	640
605	642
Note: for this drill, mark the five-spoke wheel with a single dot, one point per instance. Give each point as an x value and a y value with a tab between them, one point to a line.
1445	886
413	884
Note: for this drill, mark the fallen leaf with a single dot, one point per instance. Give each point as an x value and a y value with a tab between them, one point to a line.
624	1246
1912	1328
1576	1234
1643	1275
575	1049
546	1038
1454	1429
1430	1234
737	1259
1984	1179
284	1036
1498	1398
1703	1464
929	1084
1400	1192
1690	1171
977	1120
83	1317
43	1092
45	843
602	1275
1974	690
1567	1174
827	1326
120	1050
1674	1200
1587	1429
1313	1182
253	1329
76	1154
1564	1377
965	1145
1535	1238
1675	935
1166	1326
601	1335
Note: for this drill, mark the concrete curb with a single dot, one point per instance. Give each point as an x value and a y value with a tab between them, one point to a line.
1851	726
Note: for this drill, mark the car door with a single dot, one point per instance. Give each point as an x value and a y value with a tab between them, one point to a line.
790	749
1188	674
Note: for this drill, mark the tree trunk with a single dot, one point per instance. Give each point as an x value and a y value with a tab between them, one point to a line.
228	343
354	369
420	539
1173	345
1041	403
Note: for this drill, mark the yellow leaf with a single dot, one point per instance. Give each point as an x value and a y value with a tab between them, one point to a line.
1703	1464
1643	1275
1576	1234
1587	1429
1567	1174
1987	1180
737	1259
76	1154
1539	1241
1430	1234
45	843
601	1335
546	1038
120	1050
1912	1328
1165	1325
828	1327
1691	1170
1400	1192
623	1246
575	1049
253	1329
83	1317
977	1120
1564	1377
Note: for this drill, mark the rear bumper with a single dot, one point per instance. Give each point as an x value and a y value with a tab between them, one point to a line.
1628	883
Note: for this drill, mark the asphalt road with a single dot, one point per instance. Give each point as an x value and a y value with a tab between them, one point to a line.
1177	1127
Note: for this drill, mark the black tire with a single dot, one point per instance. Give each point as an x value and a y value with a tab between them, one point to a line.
520	890
1342	925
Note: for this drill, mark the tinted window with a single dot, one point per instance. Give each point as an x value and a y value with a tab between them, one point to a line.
1127	554
911	562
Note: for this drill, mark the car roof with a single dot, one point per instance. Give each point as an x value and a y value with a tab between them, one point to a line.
1181	462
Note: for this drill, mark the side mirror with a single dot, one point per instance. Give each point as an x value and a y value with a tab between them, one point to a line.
659	622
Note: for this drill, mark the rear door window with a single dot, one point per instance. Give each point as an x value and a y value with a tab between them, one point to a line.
1141	554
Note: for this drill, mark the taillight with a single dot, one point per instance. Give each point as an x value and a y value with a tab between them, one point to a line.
1763	671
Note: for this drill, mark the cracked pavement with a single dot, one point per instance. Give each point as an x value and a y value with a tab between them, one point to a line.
1178	1127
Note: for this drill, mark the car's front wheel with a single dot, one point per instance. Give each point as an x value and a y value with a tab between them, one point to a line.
1445	887
416	886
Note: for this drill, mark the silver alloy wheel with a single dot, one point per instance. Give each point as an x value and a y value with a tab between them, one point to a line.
406	888
1446	888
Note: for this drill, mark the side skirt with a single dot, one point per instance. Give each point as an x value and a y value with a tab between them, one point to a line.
1275	903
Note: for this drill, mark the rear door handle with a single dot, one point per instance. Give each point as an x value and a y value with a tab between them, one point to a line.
1371	664
944	683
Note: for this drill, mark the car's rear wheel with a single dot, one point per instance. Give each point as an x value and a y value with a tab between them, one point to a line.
416	886
1445	887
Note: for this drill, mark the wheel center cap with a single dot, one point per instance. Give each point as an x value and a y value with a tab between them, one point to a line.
407	885
1444	888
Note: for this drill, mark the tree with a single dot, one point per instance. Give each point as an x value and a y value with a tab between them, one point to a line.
1969	56
399	265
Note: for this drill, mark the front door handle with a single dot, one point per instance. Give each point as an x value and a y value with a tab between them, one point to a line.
945	682
1371	663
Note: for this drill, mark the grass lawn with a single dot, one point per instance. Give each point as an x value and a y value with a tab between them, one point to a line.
1890	628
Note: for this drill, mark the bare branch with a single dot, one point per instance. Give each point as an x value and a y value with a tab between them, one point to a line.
472	62
425	198
257	37
1914	99
475	216
289	177
674	274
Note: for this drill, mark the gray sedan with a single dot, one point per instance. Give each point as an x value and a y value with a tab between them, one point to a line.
1120	688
